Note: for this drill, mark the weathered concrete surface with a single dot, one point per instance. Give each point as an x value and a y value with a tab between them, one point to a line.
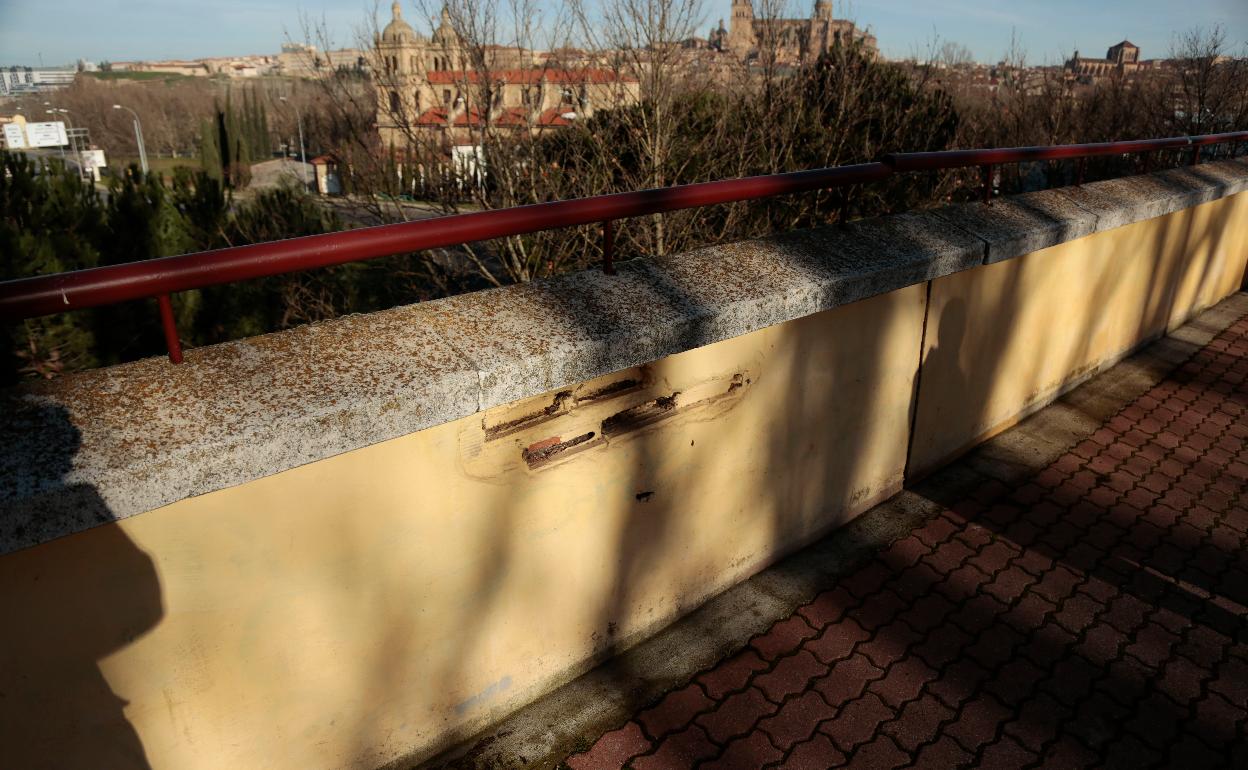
1216	179
1120	202
528	339
111	443
1116	205
1012	227
920	246
148	434
737	288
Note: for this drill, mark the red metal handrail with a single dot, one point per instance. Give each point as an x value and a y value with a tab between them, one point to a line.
44	295
926	161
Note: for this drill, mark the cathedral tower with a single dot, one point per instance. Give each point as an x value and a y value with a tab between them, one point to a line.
741	28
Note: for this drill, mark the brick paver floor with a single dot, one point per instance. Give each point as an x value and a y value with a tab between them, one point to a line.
1091	617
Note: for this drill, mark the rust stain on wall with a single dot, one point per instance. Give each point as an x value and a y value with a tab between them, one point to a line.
545	430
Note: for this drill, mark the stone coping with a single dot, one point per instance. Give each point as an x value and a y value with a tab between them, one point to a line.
112	443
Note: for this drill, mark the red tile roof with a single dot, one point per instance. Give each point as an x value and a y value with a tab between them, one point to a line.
511	117
532	76
556	116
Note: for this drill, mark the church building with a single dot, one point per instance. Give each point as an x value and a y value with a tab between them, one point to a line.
796	41
431	89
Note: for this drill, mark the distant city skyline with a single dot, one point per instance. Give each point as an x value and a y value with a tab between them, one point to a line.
121	30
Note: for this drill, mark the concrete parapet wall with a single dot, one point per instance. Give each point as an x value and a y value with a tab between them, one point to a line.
353	543
1013	335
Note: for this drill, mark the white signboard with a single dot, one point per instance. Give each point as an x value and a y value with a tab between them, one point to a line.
14	137
47	134
92	159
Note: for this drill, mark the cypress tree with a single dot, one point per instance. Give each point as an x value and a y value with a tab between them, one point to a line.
223	144
210	150
251	123
266	145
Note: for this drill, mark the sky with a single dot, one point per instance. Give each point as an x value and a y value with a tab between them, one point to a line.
64	31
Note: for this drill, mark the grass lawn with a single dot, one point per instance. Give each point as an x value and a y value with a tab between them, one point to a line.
157	165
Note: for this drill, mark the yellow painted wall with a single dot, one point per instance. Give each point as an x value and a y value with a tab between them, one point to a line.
1005	339
350	611
396	598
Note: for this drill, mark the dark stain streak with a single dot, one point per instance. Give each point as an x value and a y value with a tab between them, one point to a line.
614	389
639	416
539	457
561	403
564	402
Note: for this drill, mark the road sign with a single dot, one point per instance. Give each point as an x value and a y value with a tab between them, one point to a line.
46	134
92	159
14	137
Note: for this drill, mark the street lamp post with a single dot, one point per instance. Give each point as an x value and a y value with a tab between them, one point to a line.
138	136
62	147
75	144
69	137
303	156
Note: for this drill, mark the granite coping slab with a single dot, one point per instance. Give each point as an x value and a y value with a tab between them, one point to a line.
753	284
1116	205
1021	224
533	338
146	434
111	443
1119	202
542	336
1215	180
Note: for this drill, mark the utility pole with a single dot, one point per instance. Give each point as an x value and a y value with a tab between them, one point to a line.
303	156
138	137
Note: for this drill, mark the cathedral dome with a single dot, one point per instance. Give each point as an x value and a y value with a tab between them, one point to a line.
445	34
398	31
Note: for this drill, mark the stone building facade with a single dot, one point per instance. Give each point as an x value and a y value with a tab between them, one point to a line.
428	88
796	40
1121	59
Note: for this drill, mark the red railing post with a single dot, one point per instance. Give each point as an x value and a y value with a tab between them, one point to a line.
608	247
1082	168
171	329
1195	155
1148	161
988	169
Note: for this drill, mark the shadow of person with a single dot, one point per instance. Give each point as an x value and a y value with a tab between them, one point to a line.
944	358
66	604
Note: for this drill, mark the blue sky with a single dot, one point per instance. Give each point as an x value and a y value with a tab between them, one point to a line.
65	30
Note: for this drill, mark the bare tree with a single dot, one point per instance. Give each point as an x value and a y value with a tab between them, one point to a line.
953	55
171	112
1210	88
644	40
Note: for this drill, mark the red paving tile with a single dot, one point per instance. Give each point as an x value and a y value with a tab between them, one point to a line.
738	715
1094	616
783	638
815	754
612	750
675	711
